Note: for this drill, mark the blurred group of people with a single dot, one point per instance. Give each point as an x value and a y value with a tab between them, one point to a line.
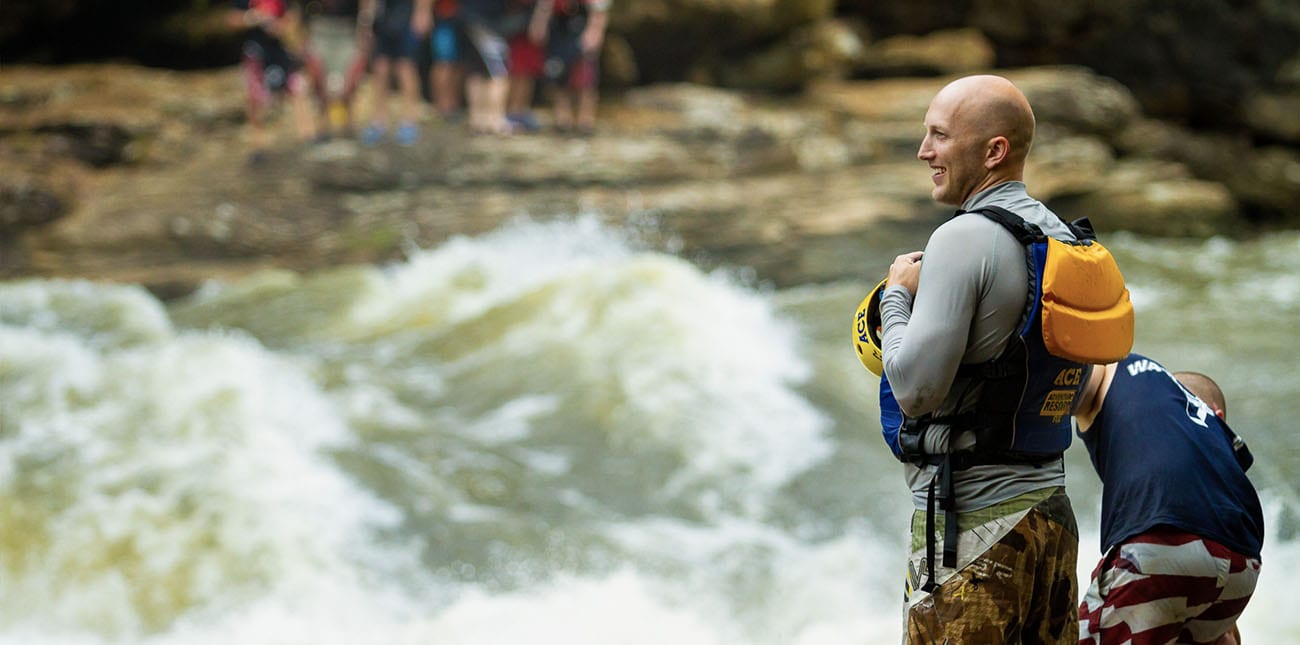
488	58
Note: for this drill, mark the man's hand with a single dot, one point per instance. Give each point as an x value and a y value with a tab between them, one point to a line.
905	271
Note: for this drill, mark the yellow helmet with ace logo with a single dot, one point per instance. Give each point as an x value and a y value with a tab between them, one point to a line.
866	331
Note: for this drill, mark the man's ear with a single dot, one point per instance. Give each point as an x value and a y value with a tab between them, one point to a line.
1218	412
999	148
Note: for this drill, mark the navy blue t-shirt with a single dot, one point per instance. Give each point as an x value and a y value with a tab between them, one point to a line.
1165	460
488	10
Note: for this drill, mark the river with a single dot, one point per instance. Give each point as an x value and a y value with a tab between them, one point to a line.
546	434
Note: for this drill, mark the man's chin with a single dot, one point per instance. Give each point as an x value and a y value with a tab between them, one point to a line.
941	196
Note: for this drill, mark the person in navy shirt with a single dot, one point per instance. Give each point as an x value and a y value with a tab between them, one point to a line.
1181	525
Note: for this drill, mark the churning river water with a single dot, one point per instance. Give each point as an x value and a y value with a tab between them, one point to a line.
546	434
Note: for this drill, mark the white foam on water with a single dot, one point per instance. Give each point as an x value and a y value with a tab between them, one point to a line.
618	609
656	351
148	482
201	505
774	587
810	594
99	316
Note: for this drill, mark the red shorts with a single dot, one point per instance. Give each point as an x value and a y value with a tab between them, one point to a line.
584	74
526	57
1166	585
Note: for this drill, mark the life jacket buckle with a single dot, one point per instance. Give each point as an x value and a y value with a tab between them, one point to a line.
911	440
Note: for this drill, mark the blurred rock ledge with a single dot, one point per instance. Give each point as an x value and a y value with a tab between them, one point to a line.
122	173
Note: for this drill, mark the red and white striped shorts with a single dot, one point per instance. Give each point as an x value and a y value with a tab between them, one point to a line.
1166	586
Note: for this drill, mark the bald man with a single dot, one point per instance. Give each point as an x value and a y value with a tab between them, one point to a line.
983	460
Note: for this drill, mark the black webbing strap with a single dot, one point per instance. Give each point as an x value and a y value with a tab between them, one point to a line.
949	505
929	585
1024	231
1239	448
947	501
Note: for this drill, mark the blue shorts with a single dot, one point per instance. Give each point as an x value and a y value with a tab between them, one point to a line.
393	36
396	45
446	42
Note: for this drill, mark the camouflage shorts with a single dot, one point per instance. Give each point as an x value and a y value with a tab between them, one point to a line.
1015	580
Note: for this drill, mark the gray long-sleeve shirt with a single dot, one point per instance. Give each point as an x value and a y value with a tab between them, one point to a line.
973	290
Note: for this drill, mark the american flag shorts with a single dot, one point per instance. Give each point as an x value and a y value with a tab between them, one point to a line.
1166	586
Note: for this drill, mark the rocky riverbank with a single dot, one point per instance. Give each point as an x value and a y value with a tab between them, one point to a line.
123	173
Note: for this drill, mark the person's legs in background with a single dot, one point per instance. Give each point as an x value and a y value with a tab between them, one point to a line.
381	78
526	59
583	83
447	74
488	82
408	83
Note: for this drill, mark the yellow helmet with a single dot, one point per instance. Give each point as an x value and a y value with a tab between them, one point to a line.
866	331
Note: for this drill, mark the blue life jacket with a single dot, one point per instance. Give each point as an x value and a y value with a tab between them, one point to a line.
1023	412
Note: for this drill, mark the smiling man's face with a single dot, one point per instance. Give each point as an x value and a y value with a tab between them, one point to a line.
954	149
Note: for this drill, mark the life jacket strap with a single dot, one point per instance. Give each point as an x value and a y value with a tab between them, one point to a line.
946	501
949	505
968	459
929	585
911	437
1003	366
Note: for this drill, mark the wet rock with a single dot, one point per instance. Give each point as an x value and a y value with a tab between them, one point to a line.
1077	99
1135	201
1275	115
910	17
948	51
1066	164
96	144
28	201
728	22
618	63
1266	180
673	37
825	49
1269	180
